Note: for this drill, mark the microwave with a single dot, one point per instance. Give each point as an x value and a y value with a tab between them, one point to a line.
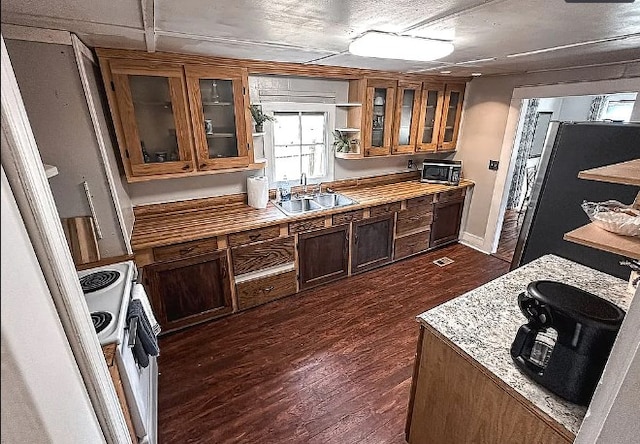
446	172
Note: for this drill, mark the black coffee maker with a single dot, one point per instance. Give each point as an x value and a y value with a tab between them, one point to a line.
567	341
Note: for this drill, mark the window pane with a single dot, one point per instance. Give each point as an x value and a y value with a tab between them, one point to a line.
287	151
287	166
286	128
313	128
619	111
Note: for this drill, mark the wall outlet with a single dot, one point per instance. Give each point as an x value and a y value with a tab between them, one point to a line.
493	165
410	164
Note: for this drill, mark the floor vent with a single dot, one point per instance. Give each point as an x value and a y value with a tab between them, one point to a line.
443	261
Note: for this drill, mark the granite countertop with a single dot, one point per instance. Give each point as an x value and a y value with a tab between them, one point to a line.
484	322
171	227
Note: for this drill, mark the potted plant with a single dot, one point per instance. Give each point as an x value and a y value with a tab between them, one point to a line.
259	117
342	143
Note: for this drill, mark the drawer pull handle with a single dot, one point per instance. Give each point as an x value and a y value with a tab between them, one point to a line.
186	250
268	289
254	236
185	168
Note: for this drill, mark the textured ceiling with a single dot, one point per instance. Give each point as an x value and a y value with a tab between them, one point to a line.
320	31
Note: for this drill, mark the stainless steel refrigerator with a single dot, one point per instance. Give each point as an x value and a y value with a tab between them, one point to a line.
554	208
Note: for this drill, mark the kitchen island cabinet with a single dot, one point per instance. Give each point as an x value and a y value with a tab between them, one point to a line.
466	387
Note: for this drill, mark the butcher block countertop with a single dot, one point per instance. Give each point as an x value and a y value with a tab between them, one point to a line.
172	223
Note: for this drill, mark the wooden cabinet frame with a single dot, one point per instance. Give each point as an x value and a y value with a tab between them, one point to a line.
451	145
432	145
239	79
367	117
129	138
409	148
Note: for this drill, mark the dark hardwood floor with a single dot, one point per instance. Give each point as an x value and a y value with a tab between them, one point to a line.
509	235
329	365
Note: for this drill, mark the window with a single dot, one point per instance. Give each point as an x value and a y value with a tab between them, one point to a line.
618	110
299	141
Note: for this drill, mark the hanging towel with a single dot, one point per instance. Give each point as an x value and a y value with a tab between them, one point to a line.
146	343
139	293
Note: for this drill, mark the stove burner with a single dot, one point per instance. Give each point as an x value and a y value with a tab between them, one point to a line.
98	280
101	319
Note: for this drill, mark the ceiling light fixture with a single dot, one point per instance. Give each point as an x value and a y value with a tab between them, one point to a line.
403	47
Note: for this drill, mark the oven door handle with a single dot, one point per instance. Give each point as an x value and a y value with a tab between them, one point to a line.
133	332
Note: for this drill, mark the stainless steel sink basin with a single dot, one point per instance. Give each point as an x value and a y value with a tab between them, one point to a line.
297	206
332	200
318	202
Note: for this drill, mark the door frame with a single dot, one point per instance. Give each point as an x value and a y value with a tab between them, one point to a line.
25	172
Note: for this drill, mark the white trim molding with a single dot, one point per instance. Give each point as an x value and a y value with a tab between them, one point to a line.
25	171
473	241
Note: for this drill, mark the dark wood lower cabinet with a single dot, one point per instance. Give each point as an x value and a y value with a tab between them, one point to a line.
323	255
372	243
187	291
447	217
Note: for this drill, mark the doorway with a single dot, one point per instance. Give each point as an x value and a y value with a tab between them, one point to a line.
536	115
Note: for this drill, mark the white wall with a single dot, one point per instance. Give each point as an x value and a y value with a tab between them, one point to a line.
44	399
271	89
487	108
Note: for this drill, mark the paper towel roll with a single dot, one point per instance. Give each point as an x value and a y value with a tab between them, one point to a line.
258	191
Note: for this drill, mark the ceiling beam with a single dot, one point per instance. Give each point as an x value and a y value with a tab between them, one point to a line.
149	23
450	14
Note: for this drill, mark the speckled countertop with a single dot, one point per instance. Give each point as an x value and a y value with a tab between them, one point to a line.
484	322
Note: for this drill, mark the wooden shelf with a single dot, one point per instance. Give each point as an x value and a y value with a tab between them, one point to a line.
348	130
593	236
258	134
258	164
217	103
341	155
347	105
218	135
626	173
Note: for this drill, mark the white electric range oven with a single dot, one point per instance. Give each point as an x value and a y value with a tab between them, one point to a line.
108	291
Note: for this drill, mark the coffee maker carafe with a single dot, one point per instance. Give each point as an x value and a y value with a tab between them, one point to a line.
566	343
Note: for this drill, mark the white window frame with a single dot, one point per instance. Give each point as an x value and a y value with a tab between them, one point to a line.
610	100
270	108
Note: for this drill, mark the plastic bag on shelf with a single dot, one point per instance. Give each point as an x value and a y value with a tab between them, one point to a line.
614	216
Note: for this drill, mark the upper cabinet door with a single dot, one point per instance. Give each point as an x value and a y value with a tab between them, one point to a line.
453	96
378	117
407	114
430	114
220	116
152	104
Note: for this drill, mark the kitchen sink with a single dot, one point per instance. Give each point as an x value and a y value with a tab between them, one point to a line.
318	202
331	200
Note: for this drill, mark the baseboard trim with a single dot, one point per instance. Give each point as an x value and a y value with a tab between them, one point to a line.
473	241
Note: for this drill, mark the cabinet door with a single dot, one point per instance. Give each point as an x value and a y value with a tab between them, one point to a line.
430	114
446	221
451	117
378	117
187	291
372	243
219	111
407	114
153	112
323	255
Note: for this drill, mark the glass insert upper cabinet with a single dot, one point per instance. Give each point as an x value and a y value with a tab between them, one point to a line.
378	117
407	112
452	110
152	103
220	116
432	101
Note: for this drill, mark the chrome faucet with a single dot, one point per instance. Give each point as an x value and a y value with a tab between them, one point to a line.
303	182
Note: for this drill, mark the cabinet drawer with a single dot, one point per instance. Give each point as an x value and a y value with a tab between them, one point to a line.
306	225
259	234
186	249
412	244
451	195
262	255
420	201
413	219
345	218
384	209
261	290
